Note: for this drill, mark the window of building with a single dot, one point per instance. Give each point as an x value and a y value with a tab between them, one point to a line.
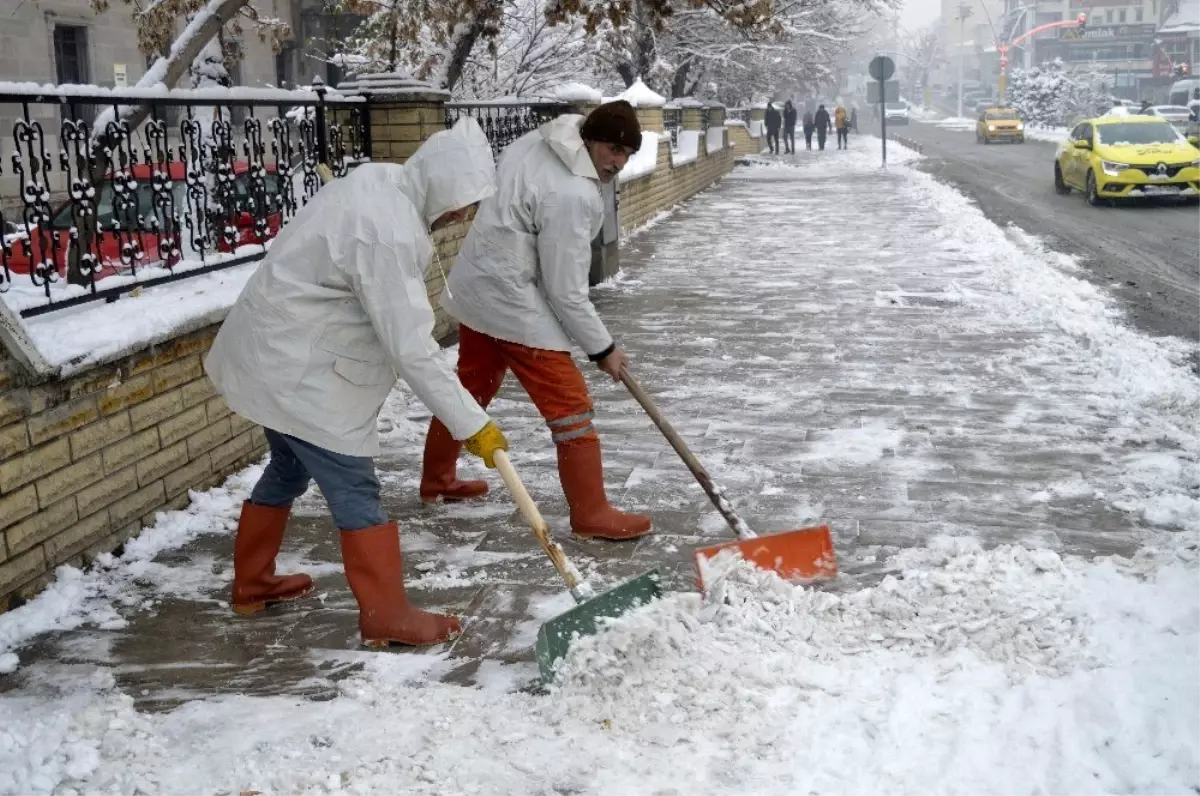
1121	15
1108	15
1137	14
71	65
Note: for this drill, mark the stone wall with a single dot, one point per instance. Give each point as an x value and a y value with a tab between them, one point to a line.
85	462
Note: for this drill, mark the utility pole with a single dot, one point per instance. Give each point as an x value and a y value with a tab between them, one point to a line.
964	11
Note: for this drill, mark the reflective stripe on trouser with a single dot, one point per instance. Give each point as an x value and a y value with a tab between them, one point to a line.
551	378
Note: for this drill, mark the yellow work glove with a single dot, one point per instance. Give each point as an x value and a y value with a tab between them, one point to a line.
486	442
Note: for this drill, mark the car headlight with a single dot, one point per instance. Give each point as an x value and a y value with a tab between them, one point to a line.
1113	169
991	128
1020	125
1196	163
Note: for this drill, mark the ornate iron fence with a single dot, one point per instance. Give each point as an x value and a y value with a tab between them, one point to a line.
505	122
104	208
738	114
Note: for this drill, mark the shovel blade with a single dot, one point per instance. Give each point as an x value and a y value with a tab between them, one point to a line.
801	555
555	636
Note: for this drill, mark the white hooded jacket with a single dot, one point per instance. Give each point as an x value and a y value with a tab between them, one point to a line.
522	274
339	307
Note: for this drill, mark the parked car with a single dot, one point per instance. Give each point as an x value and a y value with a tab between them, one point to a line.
121	233
1176	115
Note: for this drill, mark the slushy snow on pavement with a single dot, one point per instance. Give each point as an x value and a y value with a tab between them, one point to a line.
965	668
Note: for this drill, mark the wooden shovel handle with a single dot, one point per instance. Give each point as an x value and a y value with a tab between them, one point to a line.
715	493
533	517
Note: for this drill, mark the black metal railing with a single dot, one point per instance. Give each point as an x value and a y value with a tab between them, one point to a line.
738	114
100	209
504	123
673	123
705	118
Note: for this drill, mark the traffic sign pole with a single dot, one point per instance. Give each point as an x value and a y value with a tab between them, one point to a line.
882	68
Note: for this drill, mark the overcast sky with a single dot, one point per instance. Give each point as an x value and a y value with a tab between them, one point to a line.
919	13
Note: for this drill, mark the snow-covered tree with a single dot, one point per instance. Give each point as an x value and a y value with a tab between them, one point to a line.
711	52
529	57
920	50
1050	95
433	39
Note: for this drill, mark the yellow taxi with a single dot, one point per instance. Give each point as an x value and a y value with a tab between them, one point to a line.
999	124
1125	157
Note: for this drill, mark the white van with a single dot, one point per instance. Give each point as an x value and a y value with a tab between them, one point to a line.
1183	91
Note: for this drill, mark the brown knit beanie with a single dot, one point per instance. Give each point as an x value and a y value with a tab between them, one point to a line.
613	123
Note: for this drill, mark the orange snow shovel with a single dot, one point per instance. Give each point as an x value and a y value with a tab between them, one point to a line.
803	554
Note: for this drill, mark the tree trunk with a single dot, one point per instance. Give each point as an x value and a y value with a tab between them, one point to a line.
176	66
464	43
679	81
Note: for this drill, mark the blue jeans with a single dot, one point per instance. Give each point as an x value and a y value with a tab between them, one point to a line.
348	483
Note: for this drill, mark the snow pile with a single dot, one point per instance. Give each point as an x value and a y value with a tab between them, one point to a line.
639	95
642	162
577	92
964	671
76	598
715	139
687	150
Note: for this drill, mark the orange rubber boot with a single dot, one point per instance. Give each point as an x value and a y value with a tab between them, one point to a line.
582	474
255	584
439	479
375	571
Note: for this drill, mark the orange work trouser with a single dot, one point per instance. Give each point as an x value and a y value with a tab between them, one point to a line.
551	378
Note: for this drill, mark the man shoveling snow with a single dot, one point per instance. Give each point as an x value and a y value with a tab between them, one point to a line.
311	350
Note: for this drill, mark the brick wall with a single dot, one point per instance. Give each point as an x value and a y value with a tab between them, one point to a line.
85	462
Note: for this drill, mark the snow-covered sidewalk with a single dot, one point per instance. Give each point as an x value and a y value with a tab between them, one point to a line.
840	344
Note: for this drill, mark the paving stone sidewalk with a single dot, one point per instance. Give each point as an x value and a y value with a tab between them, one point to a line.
803	328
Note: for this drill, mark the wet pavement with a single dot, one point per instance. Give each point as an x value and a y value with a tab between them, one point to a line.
805	330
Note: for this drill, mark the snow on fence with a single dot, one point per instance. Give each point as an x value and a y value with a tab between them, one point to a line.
505	120
203	184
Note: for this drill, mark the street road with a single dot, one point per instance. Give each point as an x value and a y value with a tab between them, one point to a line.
1149	253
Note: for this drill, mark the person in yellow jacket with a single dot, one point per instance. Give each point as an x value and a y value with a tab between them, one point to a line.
841	121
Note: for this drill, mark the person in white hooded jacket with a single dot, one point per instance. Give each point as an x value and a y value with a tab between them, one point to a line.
336	310
519	289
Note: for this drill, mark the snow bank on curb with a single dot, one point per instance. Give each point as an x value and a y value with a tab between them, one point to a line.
964	671
76	597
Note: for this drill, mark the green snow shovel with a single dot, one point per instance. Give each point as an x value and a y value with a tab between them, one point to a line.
555	636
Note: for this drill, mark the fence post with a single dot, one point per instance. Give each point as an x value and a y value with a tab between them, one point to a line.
322	122
403	112
692	113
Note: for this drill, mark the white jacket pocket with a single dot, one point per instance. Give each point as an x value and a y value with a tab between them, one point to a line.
364	374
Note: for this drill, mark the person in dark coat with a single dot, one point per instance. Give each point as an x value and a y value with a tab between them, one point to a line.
824	125
809	126
773	121
789	127
854	118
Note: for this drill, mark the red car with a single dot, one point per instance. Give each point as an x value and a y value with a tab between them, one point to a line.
115	236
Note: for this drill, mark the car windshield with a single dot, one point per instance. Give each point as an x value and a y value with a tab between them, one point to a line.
1002	114
895	106
1130	133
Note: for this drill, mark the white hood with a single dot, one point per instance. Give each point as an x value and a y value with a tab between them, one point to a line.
562	134
452	169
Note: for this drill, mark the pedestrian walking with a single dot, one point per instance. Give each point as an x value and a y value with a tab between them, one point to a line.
519	290
809	127
773	121
854	118
842	123
335	311
789	127
823	125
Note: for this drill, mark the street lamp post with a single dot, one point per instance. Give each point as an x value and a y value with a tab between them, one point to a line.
964	11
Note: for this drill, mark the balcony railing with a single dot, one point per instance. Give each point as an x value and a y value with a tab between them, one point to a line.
94	213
